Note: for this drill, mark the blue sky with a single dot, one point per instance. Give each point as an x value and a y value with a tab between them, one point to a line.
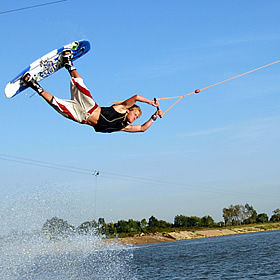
211	150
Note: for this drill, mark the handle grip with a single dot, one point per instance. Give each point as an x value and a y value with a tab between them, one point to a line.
155	100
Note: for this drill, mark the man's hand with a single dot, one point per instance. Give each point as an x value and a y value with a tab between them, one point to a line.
158	113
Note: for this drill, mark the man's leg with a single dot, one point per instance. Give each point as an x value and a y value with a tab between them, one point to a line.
68	64
75	74
79	92
68	108
29	81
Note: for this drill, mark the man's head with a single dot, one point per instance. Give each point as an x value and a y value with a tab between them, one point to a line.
133	113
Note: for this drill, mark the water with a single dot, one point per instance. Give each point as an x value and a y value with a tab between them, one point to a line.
246	256
80	257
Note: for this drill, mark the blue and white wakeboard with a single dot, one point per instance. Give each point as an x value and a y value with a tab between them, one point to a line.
45	66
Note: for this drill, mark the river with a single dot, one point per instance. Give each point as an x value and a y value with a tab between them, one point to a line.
84	257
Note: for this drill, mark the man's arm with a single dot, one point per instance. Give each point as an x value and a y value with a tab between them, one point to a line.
132	100
143	127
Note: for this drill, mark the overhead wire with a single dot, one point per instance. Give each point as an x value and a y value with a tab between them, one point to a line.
31	7
45	166
121	177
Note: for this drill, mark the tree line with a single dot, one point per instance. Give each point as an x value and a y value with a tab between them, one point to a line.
239	215
233	215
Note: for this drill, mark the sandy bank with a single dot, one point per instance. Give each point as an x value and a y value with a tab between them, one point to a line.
194	234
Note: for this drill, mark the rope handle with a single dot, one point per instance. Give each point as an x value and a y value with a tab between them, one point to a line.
155	100
199	90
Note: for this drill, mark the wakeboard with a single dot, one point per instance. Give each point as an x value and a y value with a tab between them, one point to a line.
46	66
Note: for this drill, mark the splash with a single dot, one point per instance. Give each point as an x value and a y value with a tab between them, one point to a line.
27	253
34	256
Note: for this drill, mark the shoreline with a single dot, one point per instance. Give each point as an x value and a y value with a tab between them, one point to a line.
195	234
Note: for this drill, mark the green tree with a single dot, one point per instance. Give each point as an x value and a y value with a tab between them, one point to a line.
94	224
84	227
163	224
102	226
276	216
234	215
262	218
153	224
221	224
143	225
112	229
134	225
122	227
194	221
227	216
239	214
251	214
180	221
207	221
57	228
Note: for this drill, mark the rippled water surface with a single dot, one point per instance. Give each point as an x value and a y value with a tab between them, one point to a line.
247	256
